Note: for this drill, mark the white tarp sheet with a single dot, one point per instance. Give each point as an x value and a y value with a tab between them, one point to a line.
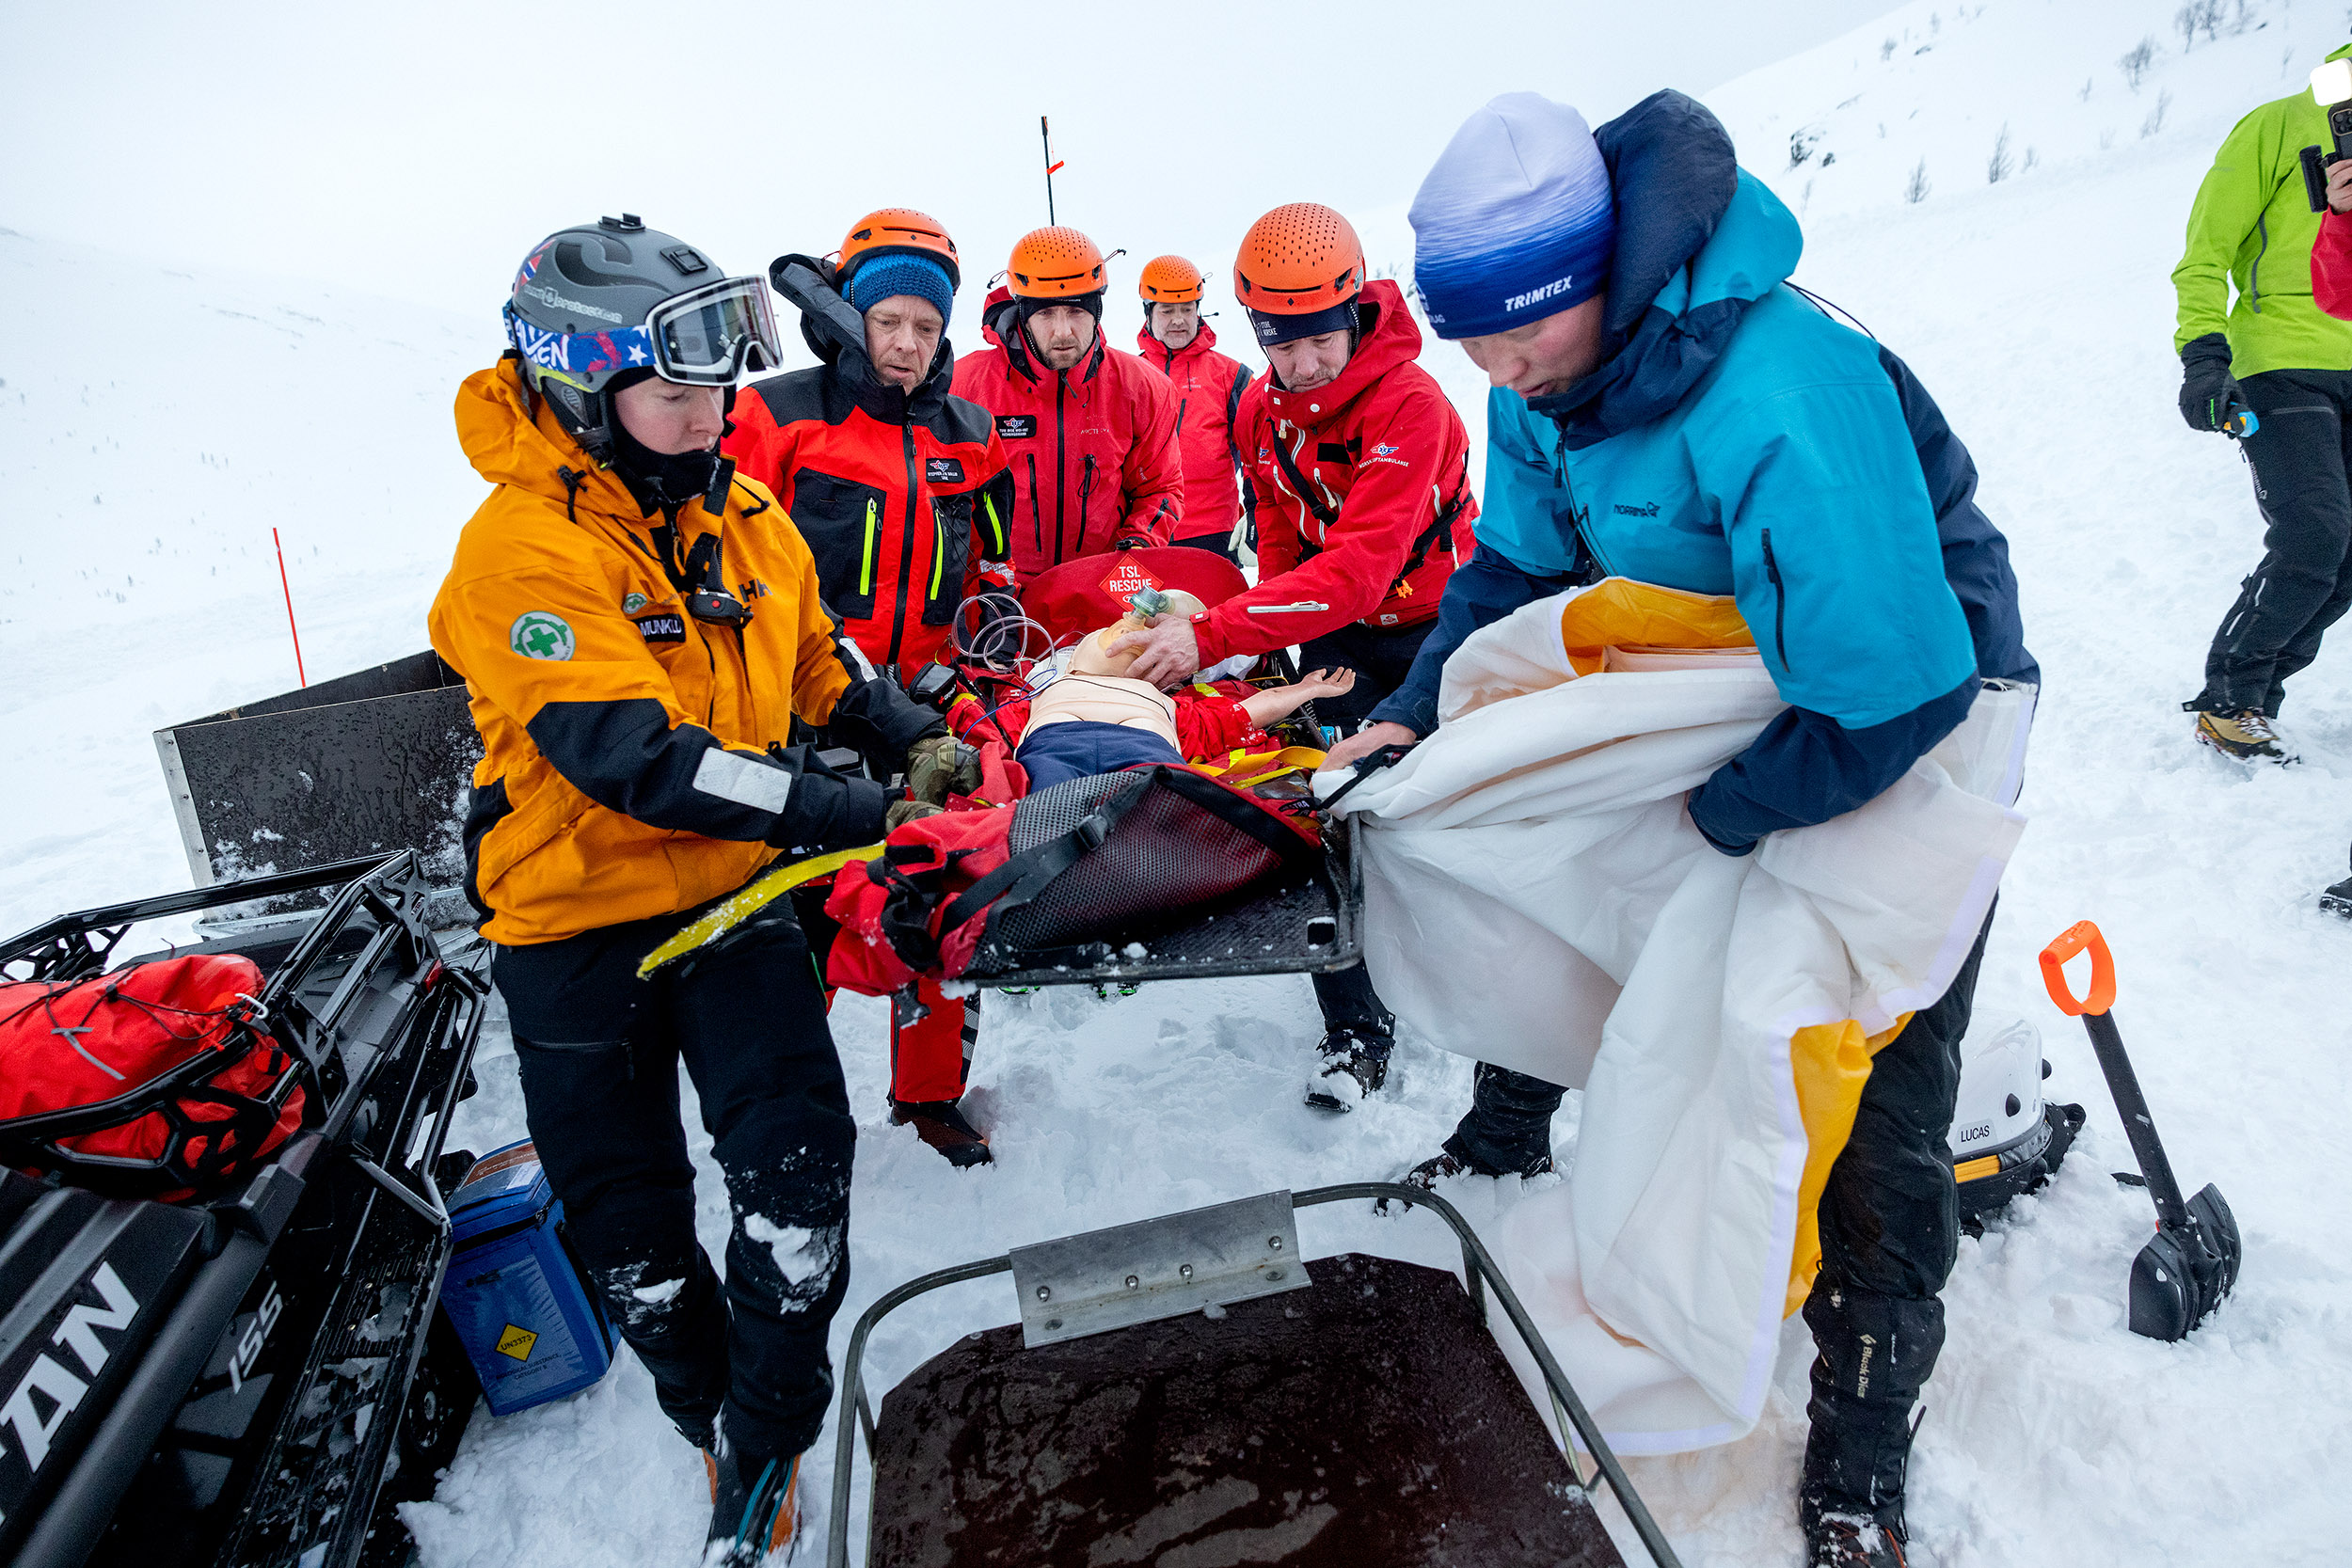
1537	897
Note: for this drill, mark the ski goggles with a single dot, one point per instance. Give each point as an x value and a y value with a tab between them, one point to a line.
705	337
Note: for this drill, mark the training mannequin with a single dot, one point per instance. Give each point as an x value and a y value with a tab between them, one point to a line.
1097	719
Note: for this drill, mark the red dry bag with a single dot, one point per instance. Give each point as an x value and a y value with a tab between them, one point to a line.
153	1081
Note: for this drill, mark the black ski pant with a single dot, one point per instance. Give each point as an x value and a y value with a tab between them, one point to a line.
1508	1130
1890	1230
1381	658
599	1051
2299	457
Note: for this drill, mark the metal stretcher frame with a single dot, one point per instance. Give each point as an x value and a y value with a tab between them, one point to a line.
1479	1272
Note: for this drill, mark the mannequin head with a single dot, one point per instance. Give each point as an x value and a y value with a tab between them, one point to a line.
1093	657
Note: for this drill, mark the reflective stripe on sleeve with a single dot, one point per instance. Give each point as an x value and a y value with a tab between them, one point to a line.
731	777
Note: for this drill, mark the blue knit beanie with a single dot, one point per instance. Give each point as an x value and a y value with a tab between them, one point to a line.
1515	222
886	276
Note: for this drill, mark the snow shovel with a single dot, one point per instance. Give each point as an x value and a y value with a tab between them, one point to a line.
2184	1271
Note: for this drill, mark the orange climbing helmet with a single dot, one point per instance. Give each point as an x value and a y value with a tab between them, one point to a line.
1055	263
1297	260
898	232
1169	280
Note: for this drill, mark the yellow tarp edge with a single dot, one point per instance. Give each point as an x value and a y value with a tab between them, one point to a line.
753	896
1830	1062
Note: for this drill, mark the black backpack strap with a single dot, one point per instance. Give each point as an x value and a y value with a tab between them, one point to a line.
1441	529
1323	511
1224	803
1024	876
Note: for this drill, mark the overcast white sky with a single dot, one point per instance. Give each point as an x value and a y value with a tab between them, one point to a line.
417	150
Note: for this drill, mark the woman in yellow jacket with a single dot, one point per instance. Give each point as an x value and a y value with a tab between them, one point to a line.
639	628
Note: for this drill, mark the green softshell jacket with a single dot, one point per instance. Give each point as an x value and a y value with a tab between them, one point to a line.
2253	225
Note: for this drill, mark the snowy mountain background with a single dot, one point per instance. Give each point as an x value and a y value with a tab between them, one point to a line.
156	424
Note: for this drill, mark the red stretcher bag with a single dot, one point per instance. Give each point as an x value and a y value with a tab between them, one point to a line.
1092	591
1110	857
155	1080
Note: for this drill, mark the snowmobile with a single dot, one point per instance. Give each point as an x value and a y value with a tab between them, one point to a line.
226	1375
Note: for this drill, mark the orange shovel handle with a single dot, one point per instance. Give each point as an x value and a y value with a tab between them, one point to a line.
2080	937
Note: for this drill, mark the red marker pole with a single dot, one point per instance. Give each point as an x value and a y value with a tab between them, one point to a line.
1046	135
290	619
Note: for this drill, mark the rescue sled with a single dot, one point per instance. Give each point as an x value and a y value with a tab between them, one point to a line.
1303	923
1190	1382
227	1379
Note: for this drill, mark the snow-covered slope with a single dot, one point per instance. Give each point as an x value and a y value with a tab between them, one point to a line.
2037	310
155	425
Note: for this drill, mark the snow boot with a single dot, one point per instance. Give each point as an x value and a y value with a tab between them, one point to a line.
942	1124
1455	1159
2338	899
1355	1065
1850	1540
2247	737
1507	1131
750	1516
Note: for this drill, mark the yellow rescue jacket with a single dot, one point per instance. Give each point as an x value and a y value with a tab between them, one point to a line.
627	770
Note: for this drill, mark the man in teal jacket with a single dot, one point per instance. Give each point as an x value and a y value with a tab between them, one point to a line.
2276	351
1665	408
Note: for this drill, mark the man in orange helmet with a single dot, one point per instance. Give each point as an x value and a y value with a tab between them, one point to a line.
1176	341
1359	472
900	489
1090	431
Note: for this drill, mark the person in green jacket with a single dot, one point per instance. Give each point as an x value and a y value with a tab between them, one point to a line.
2273	351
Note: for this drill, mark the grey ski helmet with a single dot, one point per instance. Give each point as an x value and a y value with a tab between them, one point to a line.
593	303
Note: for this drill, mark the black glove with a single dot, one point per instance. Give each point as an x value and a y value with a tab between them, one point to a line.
2208	390
825	810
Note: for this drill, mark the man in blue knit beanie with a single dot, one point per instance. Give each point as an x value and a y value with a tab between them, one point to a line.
904	494
1665	408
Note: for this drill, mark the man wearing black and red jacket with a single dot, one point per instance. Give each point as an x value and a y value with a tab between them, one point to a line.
900	488
1358	473
901	491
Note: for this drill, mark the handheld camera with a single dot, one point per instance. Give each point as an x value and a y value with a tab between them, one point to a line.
2331	89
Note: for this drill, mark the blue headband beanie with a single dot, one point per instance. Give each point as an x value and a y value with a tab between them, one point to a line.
1515	222
901	274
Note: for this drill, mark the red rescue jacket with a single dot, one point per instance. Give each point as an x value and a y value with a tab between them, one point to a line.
904	500
1208	394
1361	492
2331	265
1092	449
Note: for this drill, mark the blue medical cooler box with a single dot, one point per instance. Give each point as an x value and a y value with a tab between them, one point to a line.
531	1322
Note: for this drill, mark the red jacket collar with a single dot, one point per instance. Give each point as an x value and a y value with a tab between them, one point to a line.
1394	340
1156	353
